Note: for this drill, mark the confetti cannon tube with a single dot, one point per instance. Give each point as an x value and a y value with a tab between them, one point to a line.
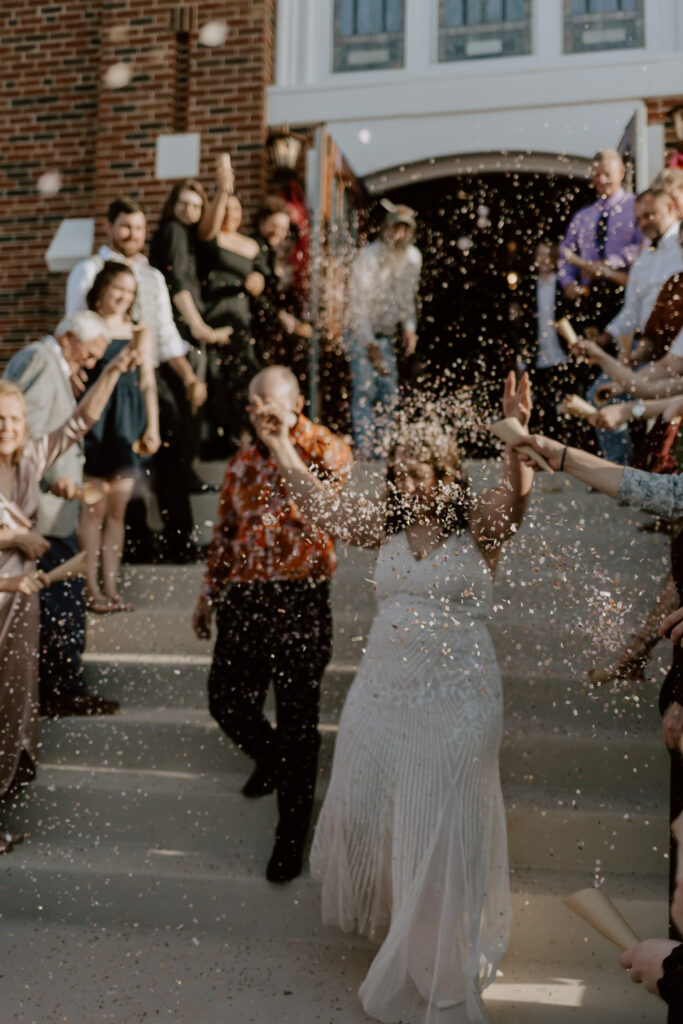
596	908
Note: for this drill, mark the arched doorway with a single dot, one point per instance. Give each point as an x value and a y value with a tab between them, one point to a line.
480	218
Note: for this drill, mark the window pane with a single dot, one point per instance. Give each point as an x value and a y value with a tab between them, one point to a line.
368	34
594	25
394	15
345	16
455	12
493	11
515	10
475	29
602	6
370	16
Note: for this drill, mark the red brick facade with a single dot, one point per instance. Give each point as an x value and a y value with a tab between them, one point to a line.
57	113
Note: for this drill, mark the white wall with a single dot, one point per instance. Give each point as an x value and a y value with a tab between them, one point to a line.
546	101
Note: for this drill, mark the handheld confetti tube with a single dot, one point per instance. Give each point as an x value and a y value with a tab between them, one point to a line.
140	336
511	431
596	908
72	567
88	494
626	343
566	331
574	405
601	674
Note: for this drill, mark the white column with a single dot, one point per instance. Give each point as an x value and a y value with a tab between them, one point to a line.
547	30
420	29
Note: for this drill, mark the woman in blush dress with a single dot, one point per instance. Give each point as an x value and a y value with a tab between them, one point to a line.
410	846
22	465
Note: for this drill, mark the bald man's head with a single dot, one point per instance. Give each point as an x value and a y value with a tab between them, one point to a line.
277	386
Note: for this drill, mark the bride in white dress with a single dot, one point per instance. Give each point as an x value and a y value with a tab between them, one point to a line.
410	845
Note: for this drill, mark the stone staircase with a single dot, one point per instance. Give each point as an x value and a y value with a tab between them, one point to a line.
140	888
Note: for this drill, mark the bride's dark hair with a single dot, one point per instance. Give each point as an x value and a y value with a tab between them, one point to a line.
426	440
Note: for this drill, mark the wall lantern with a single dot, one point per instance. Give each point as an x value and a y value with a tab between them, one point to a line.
677	117
284	148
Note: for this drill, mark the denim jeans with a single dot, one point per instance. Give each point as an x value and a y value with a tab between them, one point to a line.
615	445
374	397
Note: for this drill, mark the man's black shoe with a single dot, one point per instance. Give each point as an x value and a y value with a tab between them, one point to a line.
78	704
259	783
286	861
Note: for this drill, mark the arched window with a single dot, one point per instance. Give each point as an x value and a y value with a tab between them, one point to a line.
603	25
472	29
368	34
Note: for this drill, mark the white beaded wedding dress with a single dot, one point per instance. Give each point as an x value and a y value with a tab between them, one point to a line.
410	845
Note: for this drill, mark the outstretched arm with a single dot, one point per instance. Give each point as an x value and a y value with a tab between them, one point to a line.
499	512
348	517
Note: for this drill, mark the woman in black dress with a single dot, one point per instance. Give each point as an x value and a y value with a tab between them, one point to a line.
131	418
231	274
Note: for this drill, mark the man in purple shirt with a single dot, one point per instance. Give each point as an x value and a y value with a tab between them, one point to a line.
601	243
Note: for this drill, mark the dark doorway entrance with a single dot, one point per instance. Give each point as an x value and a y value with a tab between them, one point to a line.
478	236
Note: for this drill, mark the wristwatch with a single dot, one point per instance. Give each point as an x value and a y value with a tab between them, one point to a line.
638	409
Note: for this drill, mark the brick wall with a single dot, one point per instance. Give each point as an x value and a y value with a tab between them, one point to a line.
59	113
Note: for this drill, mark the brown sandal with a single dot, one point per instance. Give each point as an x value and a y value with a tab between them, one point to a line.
102	606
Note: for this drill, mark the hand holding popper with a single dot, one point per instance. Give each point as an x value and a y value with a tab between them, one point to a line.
596	908
511	431
574	405
72	567
566	331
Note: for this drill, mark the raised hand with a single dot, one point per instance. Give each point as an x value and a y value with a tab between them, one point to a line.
517	398
612	416
590	351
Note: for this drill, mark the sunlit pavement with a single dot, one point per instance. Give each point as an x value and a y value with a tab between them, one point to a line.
140	890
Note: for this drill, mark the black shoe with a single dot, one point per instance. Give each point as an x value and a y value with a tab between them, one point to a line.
287	859
259	783
78	704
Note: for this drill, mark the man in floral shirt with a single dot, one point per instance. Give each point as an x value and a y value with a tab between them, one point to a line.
274	622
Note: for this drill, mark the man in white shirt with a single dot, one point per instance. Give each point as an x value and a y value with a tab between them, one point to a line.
385	277
658	220
178	387
45	372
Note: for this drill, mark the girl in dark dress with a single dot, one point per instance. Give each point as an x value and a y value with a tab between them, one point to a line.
231	274
131	419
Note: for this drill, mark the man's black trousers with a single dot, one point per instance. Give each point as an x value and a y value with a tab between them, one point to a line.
277	632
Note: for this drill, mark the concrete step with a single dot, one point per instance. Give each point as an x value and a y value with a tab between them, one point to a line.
206	978
604	762
130	884
205	812
160	679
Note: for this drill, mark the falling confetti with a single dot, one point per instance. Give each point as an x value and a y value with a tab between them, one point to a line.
213	33
49	184
118	75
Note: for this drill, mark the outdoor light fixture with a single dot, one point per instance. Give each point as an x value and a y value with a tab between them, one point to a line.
677	117
284	148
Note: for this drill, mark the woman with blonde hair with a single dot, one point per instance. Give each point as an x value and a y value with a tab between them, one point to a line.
410	845
23	462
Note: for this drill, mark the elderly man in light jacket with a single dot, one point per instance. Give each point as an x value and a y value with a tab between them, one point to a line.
47	371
